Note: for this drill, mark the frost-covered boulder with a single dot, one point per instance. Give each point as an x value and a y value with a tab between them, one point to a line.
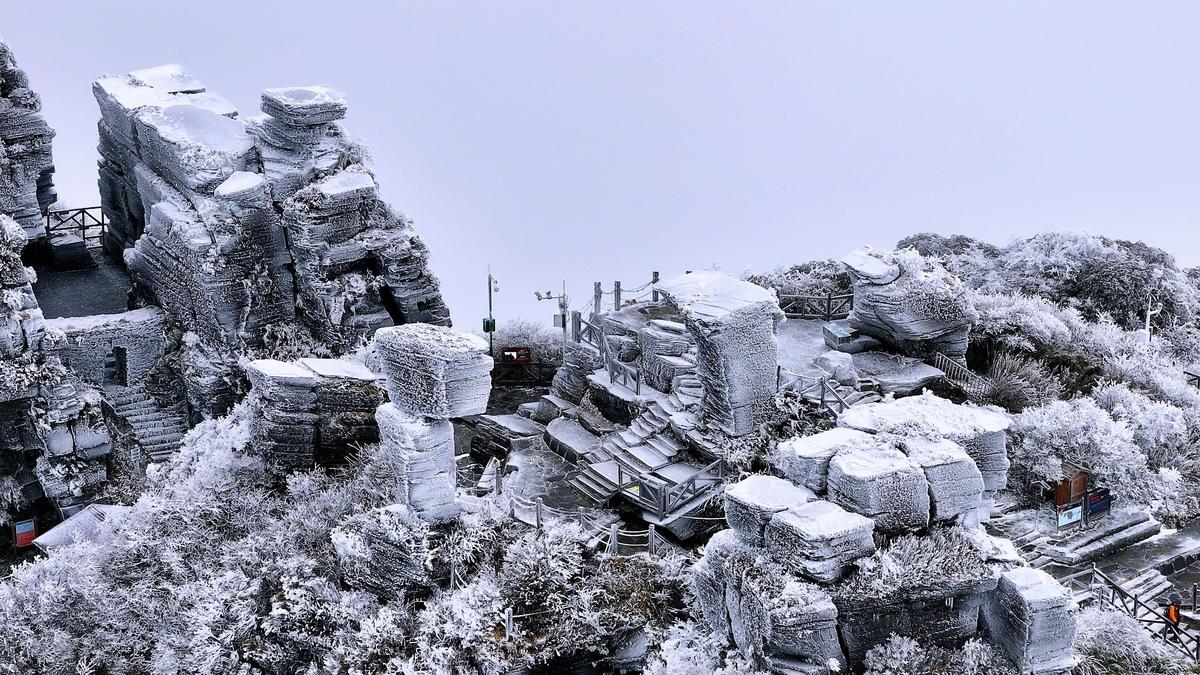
304	106
805	460
383	551
1032	618
955	484
878	481
708	579
980	430
733	324
283	405
819	539
840	366
26	164
774	615
910	302
421	451
750	504
193	147
434	371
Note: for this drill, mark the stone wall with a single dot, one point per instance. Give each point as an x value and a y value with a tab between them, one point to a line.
26	164
85	344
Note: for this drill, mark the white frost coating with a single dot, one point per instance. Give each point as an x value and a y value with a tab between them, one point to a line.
283	371
171	78
750	503
805	460
733	324
979	429
708	579
955	484
878	481
870	267
819	539
422	452
211	102
434	371
72	324
1032	618
242	185
339	368
196	147
304	106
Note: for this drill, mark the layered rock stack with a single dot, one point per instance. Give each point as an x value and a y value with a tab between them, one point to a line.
311	411
733	325
878	481
26	163
979	430
909	302
1031	617
433	374
239	229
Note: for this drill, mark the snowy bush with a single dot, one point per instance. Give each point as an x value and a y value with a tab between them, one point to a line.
546	343
915	563
905	656
1018	382
1108	642
1081	433
815	278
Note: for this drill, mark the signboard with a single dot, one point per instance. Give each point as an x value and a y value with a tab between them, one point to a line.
1070	515
24	532
1099	503
489	325
517	355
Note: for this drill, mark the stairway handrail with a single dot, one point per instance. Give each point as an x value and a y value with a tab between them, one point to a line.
1183	636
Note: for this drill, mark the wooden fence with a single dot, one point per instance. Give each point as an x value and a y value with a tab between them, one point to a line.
589	333
87	223
1176	635
828	307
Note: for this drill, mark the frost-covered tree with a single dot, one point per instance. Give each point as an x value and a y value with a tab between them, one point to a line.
1081	433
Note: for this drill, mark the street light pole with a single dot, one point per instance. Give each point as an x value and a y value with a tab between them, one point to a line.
489	324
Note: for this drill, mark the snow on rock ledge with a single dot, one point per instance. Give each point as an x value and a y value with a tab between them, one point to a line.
751	503
876	480
819	539
1032	618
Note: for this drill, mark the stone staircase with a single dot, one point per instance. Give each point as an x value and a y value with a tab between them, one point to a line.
155	429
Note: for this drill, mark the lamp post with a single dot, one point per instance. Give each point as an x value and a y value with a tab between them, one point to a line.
563	306
489	324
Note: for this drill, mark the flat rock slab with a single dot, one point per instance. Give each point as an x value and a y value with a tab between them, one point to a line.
881	483
752	502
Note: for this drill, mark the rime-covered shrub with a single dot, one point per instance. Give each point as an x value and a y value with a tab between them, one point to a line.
815	278
1159	429
689	649
1018	382
905	656
912	562
547	344
1108	642
1081	433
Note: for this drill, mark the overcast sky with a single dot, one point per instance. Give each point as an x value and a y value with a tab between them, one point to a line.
586	141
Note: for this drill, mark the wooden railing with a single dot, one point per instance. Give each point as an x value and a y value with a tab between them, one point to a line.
826	307
88	223
522	374
653	496
1193	378
586	332
817	389
957	373
1183	639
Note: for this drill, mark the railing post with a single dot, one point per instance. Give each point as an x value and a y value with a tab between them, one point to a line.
582	518
654	285
576	325
537	512
597	297
613	542
508	623
828	306
650	531
616	296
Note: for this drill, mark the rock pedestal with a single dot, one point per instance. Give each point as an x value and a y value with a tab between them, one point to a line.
733	325
1032	618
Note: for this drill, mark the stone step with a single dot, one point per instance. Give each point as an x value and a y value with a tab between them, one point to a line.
588	487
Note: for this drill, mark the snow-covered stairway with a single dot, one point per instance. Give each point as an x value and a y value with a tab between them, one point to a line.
157	430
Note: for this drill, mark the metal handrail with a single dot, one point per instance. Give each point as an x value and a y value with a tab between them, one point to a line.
958	373
1183	636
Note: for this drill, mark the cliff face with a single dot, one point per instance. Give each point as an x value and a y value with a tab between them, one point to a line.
243	227
26	164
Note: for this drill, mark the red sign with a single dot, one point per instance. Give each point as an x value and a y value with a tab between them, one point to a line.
519	355
24	532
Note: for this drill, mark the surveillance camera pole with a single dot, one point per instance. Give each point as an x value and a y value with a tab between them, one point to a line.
564	307
489	326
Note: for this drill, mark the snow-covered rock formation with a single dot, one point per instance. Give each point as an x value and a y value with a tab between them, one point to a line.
909	302
1032	618
433	374
26	163
733	325
239	228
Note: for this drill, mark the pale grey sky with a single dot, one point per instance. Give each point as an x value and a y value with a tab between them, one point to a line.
600	140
